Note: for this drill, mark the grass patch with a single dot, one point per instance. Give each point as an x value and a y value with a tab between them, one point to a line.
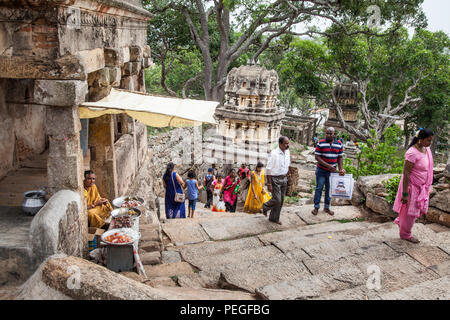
291	199
350	220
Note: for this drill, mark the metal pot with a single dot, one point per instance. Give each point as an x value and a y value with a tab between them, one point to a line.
33	201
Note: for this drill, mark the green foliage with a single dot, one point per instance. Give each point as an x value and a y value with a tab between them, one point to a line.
350	220
291	199
391	186
153	131
312	185
378	156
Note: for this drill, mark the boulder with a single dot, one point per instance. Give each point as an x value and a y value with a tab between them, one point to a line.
438	216
379	205
441	201
369	183
357	197
441	186
80	279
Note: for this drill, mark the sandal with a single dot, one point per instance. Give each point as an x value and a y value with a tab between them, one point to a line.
331	213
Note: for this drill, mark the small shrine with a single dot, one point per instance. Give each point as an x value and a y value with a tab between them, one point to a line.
347	96
249	120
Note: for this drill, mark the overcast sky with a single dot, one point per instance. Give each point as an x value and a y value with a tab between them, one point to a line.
438	14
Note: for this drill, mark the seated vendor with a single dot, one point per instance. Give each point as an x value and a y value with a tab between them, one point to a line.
99	208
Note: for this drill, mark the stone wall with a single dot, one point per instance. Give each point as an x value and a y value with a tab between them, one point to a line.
22	131
130	157
439	211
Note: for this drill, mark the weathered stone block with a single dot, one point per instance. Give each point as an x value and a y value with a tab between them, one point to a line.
146	51
151	258
96	282
125	54
135	53
150	246
58	227
170	256
368	183
129	83
438	216
441	200
61	93
357	197
98	93
62	121
26	67
92	60
115	74
379	205
64	173
99	78
113	57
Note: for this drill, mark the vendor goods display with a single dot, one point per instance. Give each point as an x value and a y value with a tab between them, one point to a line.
128	202
118	238
121	236
122	222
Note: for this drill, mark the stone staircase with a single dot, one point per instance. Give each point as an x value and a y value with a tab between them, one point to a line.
245	256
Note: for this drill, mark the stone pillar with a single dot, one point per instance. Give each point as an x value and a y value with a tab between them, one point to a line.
84	135
251	131
65	159
103	163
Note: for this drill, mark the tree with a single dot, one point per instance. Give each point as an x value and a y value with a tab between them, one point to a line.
433	111
258	23
388	71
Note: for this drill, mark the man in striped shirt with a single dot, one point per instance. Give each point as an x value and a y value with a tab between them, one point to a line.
329	153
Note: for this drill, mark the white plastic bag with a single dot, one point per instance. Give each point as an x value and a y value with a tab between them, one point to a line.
341	186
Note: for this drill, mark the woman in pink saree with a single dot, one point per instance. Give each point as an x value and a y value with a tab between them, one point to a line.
414	188
230	191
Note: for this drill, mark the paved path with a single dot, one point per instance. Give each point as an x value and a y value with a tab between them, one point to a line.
308	257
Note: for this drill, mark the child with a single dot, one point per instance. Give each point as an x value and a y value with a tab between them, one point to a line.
218	205
207	182
192	188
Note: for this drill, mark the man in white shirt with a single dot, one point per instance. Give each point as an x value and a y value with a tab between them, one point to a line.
276	177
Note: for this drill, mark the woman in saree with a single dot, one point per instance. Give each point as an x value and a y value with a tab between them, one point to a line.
99	209
413	191
230	191
256	195
173	183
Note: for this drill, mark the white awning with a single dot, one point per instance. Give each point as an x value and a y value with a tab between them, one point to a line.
155	111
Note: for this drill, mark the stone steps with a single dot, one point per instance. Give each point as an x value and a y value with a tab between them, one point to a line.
309	257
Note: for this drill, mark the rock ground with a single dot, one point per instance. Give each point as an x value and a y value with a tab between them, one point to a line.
237	256
308	257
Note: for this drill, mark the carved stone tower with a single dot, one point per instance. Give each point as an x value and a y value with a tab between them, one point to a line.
250	120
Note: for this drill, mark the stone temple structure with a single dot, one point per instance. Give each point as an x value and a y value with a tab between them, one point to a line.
347	96
55	55
249	122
